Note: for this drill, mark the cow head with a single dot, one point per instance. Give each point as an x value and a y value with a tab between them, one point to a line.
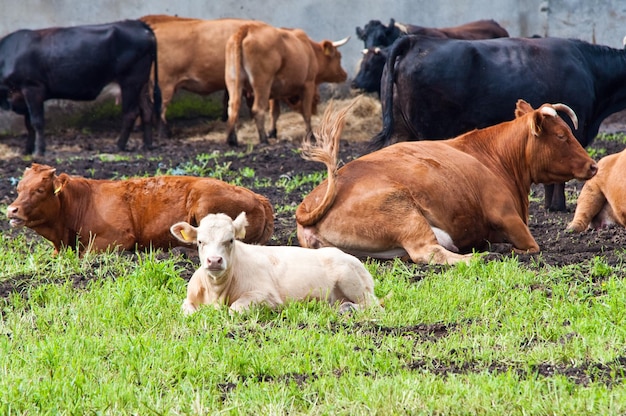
215	238
375	33
371	70
329	63
554	153
37	202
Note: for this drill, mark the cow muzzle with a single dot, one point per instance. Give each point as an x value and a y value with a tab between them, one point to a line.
15	221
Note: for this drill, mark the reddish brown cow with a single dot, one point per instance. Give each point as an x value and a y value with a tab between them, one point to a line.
435	199
128	214
602	201
277	63
191	54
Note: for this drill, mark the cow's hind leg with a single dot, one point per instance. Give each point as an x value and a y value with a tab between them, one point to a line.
589	204
131	95
34	98
422	246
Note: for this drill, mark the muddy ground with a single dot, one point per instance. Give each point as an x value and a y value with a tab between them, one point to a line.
90	152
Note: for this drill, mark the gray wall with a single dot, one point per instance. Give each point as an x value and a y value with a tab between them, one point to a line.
597	21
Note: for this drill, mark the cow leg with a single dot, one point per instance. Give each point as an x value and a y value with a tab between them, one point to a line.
307	106
421	243
167	92
589	204
225	106
130	111
261	102
555	197
234	104
34	98
30	138
517	232
146	111
275	112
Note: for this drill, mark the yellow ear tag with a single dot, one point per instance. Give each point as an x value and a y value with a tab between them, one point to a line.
184	235
56	191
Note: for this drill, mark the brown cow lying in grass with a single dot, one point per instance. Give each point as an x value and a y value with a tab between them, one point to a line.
602	201
432	200
239	275
128	214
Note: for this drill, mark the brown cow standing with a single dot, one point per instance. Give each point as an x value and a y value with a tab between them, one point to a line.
191	54
602	201
277	63
128	214
435	199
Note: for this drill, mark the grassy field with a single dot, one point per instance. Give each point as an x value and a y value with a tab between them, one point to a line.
104	334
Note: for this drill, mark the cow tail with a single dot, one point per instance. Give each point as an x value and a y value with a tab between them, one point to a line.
157	98
398	49
326	151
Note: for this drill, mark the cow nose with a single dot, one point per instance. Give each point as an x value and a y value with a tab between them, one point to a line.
214	261
593	169
11	210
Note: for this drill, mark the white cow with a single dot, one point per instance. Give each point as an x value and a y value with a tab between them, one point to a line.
239	275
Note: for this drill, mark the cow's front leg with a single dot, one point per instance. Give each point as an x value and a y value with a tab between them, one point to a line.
307	106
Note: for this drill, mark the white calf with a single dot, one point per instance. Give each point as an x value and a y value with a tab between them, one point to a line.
238	274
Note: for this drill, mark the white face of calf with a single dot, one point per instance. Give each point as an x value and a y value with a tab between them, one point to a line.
215	237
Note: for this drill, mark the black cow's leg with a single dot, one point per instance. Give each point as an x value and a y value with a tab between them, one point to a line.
34	98
130	112
146	108
555	197
30	138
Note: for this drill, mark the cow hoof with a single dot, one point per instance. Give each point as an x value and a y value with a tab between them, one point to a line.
232	140
272	134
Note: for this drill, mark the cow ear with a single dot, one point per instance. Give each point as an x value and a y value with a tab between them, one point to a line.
59	182
522	107
240	223
535	123
392	23
329	48
359	33
185	232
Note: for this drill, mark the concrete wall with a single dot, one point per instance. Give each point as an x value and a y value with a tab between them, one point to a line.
598	21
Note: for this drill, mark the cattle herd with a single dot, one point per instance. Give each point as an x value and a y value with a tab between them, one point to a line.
470	121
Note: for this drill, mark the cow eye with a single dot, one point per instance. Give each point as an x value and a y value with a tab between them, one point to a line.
40	190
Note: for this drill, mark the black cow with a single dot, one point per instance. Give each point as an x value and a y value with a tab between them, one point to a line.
381	36
371	69
76	63
377	34
440	88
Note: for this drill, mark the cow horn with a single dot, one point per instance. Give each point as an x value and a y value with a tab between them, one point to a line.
341	42
364	51
564	108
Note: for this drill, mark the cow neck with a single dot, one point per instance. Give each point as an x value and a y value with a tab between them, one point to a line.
502	149
75	203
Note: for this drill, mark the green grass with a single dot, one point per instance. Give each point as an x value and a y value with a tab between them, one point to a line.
105	334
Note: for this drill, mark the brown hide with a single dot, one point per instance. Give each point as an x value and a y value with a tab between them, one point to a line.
191	53
480	29
276	63
602	201
128	214
430	198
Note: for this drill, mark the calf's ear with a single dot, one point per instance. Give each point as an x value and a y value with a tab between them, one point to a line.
185	232
240	223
